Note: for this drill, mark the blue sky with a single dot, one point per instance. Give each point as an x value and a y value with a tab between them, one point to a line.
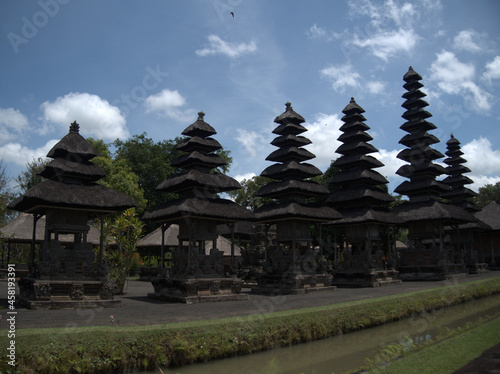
120	68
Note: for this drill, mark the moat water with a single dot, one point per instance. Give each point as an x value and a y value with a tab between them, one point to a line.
349	351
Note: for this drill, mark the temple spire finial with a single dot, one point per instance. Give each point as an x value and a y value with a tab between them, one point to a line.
201	114
288	106
74	127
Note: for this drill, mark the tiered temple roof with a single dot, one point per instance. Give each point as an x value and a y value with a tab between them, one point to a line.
459	194
423	190
199	184
70	183
291	186
359	196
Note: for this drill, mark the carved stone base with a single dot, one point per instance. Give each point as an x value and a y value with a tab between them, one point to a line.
365	278
431	272
197	290
293	284
477	268
65	294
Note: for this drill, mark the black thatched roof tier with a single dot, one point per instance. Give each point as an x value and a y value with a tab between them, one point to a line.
358	176
433	211
421	171
290	153
293	210
90	197
289	187
291	169
210	182
424	137
198	159
290	140
366	215
458	195
423	168
360	196
357	147
360	160
198	143
193	207
357	186
199	128
198	184
73	146
58	169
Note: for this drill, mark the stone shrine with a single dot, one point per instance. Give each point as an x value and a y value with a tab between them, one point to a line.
68	275
293	265
363	203
427	257
198	273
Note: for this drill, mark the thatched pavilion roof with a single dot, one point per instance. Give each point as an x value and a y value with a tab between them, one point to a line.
197	185
70	182
20	230
433	211
490	215
153	239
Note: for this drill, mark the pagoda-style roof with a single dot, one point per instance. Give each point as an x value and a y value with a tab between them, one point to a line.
358	196
459	195
289	187
91	197
198	184
433	211
421	170
71	181
195	207
73	146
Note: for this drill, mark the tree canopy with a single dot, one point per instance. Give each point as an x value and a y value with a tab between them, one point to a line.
487	194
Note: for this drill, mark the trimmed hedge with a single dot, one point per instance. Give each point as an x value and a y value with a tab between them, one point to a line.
117	349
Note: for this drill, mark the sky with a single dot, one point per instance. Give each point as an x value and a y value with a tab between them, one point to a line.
121	68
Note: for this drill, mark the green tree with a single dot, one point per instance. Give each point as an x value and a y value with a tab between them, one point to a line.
125	230
151	161
6	196
30	178
246	196
487	194
119	175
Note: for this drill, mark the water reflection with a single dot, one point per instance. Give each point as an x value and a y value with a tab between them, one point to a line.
347	352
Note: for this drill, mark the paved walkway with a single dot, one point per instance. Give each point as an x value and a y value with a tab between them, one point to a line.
138	309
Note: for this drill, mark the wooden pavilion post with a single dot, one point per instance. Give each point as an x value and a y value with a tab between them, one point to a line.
101	241
231	227
36	217
162	251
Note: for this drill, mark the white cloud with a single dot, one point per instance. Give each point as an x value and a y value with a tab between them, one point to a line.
316	32
492	69
96	116
251	140
375	87
323	133
481	158
386	44
169	103
217	46
455	77
341	76
465	40
390	161
20	155
241	177
381	13
12	124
